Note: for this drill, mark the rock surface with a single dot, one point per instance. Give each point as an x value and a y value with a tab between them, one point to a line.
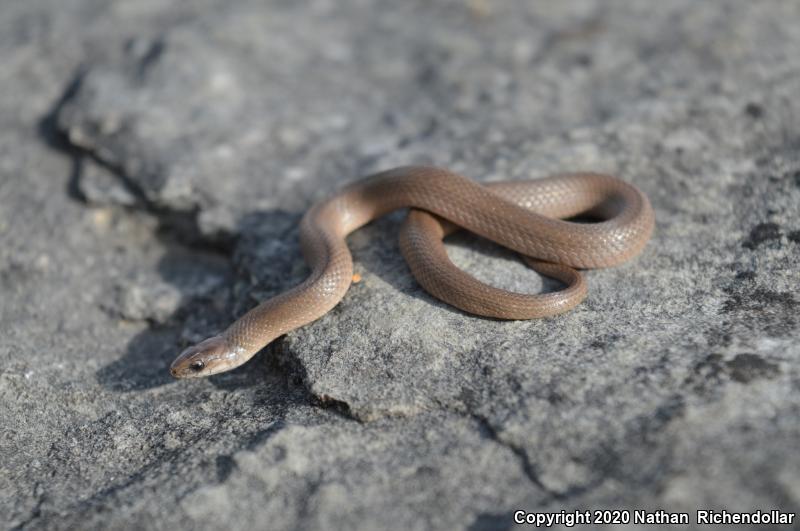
156	157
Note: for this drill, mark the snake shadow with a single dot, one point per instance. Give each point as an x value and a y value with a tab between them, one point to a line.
380	255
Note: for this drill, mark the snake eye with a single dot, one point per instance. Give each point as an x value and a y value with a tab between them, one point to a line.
197	365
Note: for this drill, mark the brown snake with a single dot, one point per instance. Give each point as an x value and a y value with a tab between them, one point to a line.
520	215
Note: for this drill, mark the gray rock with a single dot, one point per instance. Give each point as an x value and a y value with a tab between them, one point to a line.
182	279
155	160
100	186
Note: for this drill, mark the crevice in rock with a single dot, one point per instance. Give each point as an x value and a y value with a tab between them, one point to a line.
528	468
339	406
150	53
34	515
169	458
173	225
293	366
54	138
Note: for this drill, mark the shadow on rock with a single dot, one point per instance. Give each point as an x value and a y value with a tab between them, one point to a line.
194	294
144	365
380	254
187	295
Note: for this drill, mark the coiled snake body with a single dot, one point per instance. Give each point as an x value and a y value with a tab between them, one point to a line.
521	215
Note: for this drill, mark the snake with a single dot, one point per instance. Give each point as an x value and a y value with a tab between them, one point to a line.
560	224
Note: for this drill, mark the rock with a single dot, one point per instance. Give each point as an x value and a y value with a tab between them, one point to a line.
183	278
100	186
155	160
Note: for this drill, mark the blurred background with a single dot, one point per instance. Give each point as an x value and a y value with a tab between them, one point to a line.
156	157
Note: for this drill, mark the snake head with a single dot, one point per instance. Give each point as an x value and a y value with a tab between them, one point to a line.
204	359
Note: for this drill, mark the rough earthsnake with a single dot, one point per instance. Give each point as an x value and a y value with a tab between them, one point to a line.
521	215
